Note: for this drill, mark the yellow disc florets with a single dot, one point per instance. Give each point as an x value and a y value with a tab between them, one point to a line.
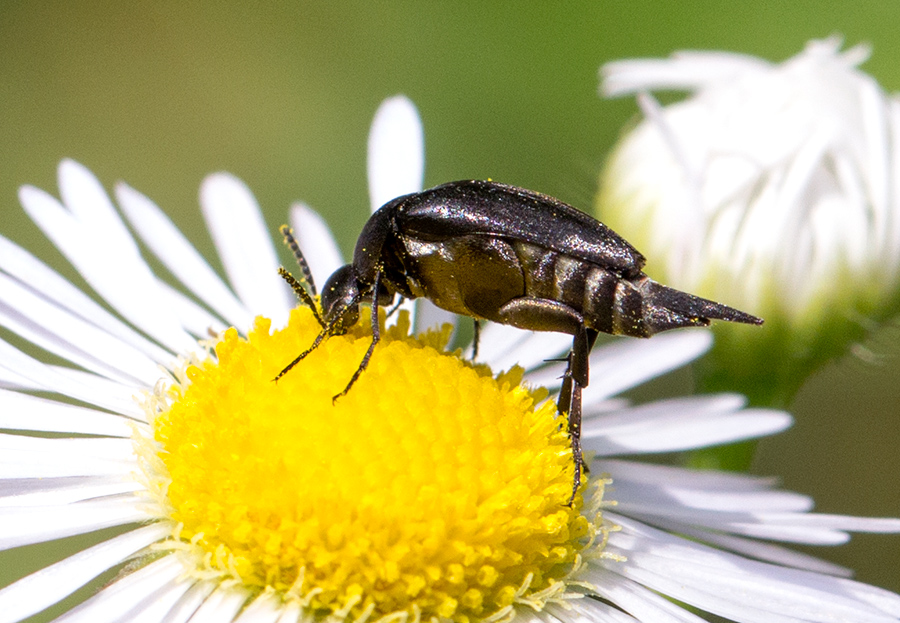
432	488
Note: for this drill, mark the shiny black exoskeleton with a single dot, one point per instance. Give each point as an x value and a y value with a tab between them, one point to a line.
513	256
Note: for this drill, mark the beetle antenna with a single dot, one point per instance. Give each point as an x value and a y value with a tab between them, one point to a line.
302	294
376	336
291	242
476	335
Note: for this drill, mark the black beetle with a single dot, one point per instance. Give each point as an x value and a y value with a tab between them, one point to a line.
513	256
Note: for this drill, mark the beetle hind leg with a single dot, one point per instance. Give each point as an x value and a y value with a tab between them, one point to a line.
569	402
549	315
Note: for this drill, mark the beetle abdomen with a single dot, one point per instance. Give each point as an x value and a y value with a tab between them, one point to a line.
601	296
611	303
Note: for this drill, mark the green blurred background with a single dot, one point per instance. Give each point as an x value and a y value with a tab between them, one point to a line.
282	94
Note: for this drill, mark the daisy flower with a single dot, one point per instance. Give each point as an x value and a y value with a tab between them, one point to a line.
435	490
771	187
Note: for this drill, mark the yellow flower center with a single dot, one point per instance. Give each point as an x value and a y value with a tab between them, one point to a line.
432	488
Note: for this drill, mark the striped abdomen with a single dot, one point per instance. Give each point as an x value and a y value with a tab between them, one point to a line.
608	302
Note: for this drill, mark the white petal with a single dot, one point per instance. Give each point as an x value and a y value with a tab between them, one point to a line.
317	243
177	254
892	233
221	606
119	276
528	615
678	429
735	587
430	316
813	529
685	70
47	586
119	600
60	332
291	613
96	242
637	600
624	363
58	491
103	392
14	381
156	606
27	525
760	525
34	457
588	611
22	265
266	608
697	405
396	160
667	475
42	376
194	318
85	196
532	351
627	363
188	604
26	412
759	550
245	246
497	341
684	493
65	449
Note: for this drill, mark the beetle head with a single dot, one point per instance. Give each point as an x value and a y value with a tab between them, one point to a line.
340	299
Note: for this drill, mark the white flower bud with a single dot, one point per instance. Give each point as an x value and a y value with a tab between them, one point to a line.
774	188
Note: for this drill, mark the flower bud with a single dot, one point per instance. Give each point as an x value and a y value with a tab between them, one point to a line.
772	188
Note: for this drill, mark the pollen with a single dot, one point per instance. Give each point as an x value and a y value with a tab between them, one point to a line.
432	489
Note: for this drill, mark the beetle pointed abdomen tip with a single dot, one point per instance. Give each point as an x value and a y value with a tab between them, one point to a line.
735	315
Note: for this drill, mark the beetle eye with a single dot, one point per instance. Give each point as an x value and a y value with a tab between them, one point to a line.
340	299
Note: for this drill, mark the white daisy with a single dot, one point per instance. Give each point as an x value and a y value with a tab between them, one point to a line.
432	490
771	187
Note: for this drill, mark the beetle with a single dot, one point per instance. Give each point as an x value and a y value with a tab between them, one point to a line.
510	255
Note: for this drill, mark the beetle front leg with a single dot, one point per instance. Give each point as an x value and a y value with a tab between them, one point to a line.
376	336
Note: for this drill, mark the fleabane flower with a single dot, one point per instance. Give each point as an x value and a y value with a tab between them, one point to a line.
771	187
436	489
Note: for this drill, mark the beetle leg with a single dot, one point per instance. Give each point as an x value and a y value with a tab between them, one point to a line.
548	315
376	336
327	329
319	339
569	403
476	334
574	380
